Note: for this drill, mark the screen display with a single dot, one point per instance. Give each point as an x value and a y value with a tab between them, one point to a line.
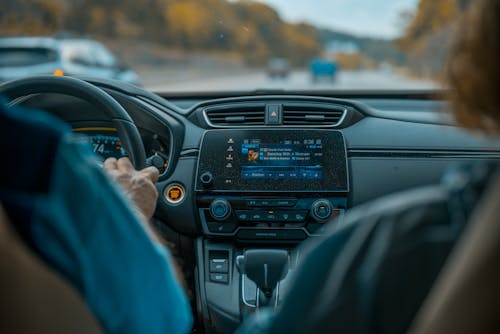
285	160
274	160
102	141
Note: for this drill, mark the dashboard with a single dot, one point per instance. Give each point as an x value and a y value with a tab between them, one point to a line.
238	148
242	171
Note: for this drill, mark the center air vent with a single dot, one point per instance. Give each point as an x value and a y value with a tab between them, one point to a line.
312	114
236	114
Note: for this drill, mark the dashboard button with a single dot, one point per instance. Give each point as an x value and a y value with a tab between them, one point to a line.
207	179
217	227
271	216
271	202
219	265
273	114
299	216
252	202
271	234
284	216
265	202
259	202
256	216
243	215
219	278
291	216
174	193
284	202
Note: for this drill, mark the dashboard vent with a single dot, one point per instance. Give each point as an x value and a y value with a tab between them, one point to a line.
236	115
312	114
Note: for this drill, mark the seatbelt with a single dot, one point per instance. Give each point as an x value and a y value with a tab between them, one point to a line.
34	299
466	295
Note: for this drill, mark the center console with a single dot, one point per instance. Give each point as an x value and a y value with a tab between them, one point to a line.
265	191
270	184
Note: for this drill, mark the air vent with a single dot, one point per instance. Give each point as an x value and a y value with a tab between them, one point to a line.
312	114
236	115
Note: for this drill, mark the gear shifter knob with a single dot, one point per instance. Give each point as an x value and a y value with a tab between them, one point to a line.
265	267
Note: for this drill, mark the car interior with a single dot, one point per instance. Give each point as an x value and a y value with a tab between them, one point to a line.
245	178
249	166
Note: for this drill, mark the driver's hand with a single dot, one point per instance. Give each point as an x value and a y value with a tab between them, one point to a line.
139	186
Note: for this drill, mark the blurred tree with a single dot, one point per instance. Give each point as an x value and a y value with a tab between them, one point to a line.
250	28
354	61
430	17
30	17
428	33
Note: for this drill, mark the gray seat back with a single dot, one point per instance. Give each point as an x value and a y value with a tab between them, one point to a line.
35	299
466	295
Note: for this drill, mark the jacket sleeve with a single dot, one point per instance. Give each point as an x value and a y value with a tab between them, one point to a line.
88	232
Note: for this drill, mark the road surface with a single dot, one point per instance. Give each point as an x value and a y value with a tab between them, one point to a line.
187	81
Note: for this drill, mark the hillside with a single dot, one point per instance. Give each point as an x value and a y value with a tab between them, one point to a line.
428	34
251	29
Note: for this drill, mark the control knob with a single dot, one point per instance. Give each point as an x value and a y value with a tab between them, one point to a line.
220	209
321	210
207	179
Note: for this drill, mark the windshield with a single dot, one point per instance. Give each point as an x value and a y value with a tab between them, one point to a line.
20	56
222	45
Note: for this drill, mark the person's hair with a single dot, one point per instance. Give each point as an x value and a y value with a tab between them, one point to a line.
473	68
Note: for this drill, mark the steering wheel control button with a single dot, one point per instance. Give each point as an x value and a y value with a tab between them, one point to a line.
207	179
220	209
174	193
156	161
321	210
219	278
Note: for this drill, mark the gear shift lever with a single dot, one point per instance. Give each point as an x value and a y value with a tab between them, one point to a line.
265	267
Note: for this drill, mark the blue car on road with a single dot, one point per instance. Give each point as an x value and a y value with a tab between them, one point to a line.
323	68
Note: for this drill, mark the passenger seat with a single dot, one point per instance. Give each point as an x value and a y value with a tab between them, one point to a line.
466	295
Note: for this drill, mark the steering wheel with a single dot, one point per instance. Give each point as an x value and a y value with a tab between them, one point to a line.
127	131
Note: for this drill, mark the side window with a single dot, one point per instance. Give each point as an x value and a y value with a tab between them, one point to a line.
103	57
79	54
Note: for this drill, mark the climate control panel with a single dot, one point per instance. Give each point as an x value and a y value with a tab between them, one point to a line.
269	218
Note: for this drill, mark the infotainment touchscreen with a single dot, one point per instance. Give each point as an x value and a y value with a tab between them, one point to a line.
273	160
285	160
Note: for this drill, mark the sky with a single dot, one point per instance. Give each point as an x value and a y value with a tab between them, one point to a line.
376	18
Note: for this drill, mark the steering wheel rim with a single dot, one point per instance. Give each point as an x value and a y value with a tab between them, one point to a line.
127	131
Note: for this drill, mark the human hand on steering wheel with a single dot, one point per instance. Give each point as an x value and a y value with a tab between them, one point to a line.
138	185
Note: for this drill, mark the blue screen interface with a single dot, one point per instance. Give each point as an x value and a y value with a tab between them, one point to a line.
287	159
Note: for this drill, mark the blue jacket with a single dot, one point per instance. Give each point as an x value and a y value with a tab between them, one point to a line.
80	224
